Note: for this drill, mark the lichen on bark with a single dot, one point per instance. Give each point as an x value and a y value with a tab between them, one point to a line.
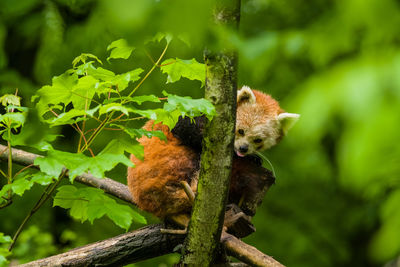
216	158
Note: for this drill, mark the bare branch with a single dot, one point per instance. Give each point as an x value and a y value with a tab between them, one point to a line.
247	253
142	244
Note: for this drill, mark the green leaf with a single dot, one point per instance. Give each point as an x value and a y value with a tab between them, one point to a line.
91	203
105	162
58	92
169	118
83	58
120	49
9	99
191	107
101	74
21	185
42	178
65	196
13	107
83	69
121	215
114	107
91	112
190	69
78	163
68	197
83	92
14	119
4	191
122	80
28	136
145	98
136	99
70	117
3	254
5	238
119	146
178	106
49	165
137	133
160	36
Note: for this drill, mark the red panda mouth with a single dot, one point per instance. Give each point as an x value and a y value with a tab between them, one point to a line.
239	154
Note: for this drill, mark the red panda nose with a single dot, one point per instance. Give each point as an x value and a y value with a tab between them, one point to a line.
244	148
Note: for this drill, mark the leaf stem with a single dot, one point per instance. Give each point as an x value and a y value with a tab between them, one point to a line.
23	169
131	119
9	156
97	131
82	136
2	173
8	203
150	71
117	118
43	198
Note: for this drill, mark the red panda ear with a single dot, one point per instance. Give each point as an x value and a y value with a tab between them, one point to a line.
287	121
245	95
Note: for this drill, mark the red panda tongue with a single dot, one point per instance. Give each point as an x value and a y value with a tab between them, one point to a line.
239	154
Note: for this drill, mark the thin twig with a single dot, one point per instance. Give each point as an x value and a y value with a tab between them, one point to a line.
52	111
2	173
82	135
117	118
131	119
8	203
148	73
23	169
113	129
152	60
97	131
43	198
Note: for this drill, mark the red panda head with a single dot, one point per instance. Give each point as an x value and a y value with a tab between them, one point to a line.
260	122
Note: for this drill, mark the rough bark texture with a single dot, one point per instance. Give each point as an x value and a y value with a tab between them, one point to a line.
216	158
145	243
108	185
118	250
247	253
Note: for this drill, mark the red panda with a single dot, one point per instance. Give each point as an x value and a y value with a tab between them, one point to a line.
155	181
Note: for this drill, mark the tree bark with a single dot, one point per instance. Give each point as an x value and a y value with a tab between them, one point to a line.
216	158
142	244
247	253
145	243
114	250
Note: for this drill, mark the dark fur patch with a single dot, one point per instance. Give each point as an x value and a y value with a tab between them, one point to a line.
190	133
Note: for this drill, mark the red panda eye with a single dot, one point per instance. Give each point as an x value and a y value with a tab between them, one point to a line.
241	131
258	140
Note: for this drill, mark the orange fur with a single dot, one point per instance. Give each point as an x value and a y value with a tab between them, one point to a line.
154	182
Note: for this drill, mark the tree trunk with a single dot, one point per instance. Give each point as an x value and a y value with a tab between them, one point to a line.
216	158
123	249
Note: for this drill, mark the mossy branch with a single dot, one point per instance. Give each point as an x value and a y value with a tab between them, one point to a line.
159	246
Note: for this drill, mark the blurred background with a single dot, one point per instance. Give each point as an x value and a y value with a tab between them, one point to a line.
336	201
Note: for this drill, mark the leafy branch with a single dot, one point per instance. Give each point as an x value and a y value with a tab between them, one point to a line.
88	91
143	243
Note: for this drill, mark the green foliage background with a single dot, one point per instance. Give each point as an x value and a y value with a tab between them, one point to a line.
337	63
